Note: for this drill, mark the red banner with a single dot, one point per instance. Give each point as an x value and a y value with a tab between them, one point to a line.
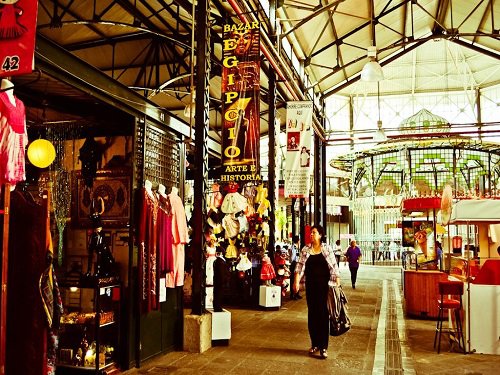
241	95
17	36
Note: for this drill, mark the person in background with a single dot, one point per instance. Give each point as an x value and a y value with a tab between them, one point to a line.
381	250
294	250
318	266
393	250
338	251
439	254
353	255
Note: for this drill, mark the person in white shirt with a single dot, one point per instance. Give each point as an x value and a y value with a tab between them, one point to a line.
393	250
337	251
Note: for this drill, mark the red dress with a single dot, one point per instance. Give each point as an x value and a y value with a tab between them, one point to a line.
10	28
267	270
13	140
148	245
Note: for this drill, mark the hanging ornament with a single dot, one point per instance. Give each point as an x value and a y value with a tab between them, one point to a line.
90	156
41	153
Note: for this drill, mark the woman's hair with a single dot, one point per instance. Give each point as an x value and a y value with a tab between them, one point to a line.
337	242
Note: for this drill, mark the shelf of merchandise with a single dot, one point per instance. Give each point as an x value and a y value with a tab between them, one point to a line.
106	295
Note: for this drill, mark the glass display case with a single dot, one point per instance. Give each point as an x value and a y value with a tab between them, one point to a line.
90	326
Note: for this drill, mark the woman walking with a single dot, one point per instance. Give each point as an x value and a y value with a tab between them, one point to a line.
353	255
318	265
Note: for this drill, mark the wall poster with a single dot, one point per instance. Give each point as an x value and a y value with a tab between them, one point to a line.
298	149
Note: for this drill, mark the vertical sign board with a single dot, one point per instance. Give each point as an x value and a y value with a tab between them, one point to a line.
240	94
298	149
17	36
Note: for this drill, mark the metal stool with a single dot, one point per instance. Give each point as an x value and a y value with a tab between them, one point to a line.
451	299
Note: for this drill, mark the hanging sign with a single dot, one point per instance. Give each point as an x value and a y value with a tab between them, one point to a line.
17	36
298	149
241	95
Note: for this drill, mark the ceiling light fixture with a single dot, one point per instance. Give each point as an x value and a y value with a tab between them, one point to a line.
372	71
379	134
189	109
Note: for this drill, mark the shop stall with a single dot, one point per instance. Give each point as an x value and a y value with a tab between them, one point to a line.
421	268
482	293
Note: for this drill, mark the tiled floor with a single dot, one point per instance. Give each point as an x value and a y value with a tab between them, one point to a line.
276	342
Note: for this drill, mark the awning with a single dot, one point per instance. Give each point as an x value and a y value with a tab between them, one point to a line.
476	210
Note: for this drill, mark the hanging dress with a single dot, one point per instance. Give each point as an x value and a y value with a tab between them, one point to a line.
148	245
231	226
234	202
13	140
10	27
244	264
267	270
231	250
179	238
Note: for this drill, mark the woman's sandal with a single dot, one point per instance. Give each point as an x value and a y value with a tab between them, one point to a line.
313	350
323	353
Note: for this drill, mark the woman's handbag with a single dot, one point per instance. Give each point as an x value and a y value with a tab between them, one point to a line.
337	310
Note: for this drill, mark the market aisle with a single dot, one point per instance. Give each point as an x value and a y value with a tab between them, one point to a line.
276	342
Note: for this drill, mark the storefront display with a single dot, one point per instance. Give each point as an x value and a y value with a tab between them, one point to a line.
89	336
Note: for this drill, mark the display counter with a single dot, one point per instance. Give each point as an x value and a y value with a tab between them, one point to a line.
421	292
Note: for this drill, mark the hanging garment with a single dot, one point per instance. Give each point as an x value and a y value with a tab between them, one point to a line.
261	193
13	140
231	225
52	303
217	196
250	210
244	264
250	191
216	227
90	156
179	238
263	206
147	242
27	328
231	250
233	202
242	219
267	270
165	236
11	28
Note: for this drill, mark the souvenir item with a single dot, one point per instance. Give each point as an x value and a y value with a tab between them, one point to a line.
244	264
234	202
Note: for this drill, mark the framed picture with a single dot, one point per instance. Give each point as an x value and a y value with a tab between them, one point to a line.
113	186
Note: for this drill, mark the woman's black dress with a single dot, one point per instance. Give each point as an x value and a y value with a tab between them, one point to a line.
317	276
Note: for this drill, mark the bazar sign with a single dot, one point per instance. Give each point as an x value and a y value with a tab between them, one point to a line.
240	93
17	36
